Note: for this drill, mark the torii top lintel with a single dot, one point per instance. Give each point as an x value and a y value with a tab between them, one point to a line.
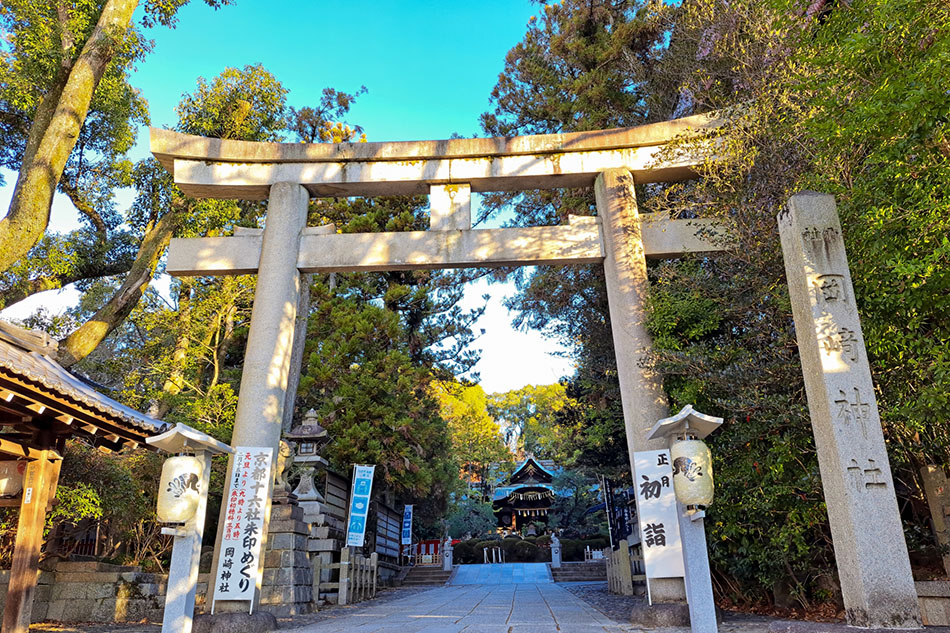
221	168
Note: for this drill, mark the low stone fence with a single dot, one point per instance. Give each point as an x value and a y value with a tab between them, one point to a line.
934	599
98	592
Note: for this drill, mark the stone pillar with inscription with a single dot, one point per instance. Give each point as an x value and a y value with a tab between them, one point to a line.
870	551
937	490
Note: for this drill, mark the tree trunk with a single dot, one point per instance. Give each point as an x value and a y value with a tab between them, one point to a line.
176	379
224	344
52	137
87	337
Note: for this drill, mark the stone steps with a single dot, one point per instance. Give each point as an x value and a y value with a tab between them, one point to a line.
420	576
590	571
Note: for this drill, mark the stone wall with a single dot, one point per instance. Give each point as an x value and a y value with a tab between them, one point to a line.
98	592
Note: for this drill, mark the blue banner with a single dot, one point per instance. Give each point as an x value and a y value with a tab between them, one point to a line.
407	526
359	504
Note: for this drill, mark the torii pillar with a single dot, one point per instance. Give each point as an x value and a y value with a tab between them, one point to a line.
270	343
641	390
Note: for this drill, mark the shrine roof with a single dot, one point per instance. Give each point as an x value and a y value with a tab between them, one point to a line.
532	469
37	392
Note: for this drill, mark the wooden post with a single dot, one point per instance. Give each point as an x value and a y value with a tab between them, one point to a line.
344	589
316	565
358	578
937	491
625	569
374	561
38	482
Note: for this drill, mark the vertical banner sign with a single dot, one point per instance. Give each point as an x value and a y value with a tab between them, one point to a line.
618	512
406	526
239	563
658	515
359	504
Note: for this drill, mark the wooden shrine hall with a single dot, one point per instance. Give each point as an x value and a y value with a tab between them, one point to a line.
528	495
41	406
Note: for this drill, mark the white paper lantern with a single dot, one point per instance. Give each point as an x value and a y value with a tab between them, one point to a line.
692	472
11	477
178	491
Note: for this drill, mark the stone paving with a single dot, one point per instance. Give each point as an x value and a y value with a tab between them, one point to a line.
507	608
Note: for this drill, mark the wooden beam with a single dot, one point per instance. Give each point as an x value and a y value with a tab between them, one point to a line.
26	552
576	243
19	450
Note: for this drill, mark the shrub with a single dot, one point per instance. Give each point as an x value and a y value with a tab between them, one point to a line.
524	552
466	553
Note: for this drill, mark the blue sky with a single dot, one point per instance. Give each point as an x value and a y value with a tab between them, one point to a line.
429	68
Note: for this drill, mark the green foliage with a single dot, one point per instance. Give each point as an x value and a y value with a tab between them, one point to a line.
575	495
247	104
75	503
374	401
528	415
469	517
523	552
476	438
574	549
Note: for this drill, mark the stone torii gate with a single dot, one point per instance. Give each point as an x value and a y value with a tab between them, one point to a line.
619	237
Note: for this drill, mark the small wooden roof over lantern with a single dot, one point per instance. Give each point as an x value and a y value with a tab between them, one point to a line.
688	421
309	437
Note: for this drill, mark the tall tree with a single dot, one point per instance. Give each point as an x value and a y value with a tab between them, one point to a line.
528	417
246	104
59	53
477	442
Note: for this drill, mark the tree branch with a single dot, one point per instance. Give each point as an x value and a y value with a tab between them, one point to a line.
86	270
84	340
83	206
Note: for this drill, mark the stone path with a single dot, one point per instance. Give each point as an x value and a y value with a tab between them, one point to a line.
507	574
511	608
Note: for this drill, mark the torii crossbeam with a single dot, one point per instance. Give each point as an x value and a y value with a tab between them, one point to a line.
289	174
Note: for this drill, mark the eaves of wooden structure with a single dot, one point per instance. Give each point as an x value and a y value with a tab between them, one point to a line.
41	406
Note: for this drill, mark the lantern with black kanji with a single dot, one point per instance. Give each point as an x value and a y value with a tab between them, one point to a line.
692	472
178	491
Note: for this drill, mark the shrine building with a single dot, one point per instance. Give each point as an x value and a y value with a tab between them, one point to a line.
527	496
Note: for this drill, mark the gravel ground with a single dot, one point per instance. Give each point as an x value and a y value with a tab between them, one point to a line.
618	608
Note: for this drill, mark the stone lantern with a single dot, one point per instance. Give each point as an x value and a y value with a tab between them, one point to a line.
309	438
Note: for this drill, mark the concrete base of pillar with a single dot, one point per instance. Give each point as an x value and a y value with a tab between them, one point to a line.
660	614
260	622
